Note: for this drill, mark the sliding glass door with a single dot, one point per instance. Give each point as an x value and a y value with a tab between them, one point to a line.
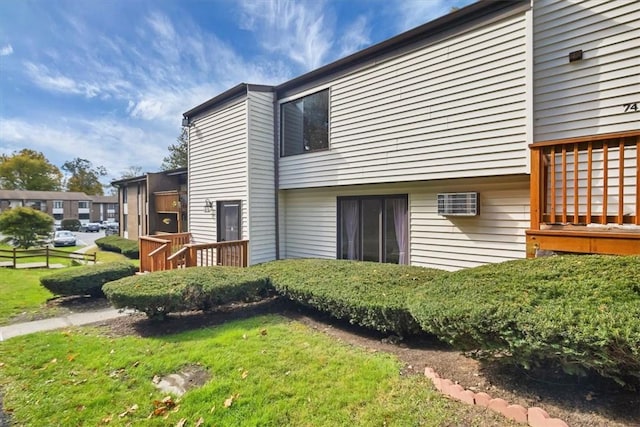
373	228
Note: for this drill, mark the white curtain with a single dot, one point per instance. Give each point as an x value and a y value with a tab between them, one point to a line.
400	222
350	220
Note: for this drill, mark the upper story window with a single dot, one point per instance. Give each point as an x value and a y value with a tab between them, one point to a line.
57	204
305	124
83	205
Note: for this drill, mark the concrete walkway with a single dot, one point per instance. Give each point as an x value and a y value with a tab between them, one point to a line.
75	319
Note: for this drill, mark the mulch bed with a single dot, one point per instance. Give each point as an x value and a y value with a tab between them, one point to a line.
580	402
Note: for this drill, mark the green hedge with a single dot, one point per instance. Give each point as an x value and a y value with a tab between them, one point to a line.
581	313
70	224
126	247
197	288
368	294
87	279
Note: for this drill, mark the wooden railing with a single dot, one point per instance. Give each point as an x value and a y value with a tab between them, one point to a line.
171	251
587	185
14	257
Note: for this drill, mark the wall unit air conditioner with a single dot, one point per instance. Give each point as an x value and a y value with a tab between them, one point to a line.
459	204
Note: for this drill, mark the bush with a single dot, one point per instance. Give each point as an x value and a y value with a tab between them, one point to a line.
126	247
581	313
368	294
71	224
25	227
87	279
197	288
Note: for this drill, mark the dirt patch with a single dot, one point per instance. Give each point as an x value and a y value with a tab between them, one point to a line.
189	377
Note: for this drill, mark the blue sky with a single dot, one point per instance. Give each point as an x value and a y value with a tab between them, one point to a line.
108	80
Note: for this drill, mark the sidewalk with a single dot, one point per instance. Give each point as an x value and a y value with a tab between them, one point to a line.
75	319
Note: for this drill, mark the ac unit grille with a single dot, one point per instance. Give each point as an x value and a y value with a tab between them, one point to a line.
459	204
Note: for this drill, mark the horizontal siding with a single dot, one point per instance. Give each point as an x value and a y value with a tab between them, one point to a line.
262	231
310	220
450	110
585	97
217	167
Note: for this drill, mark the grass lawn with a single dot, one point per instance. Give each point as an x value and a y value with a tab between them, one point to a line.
21	292
107	256
264	371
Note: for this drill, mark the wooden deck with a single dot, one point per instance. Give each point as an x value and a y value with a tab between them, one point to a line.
584	195
175	250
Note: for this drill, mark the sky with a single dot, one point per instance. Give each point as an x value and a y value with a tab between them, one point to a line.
108	80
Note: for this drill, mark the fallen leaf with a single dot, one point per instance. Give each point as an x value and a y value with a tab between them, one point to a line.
199	422
263	332
213	408
245	374
1	364
54	361
156	379
107	420
228	402
130	410
112	351
244	336
182	422
135	364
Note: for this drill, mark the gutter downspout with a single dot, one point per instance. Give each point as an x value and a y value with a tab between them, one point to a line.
276	172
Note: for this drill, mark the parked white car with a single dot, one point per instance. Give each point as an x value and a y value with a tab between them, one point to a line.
64	238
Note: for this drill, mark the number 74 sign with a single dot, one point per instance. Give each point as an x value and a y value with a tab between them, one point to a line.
630	107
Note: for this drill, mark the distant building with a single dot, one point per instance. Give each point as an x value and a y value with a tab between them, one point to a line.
63	205
153	203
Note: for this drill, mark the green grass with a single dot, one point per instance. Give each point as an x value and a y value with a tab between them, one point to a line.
280	373
108	256
21	292
52	258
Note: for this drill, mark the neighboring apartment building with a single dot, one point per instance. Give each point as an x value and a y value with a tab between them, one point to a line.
153	203
62	205
449	146
104	208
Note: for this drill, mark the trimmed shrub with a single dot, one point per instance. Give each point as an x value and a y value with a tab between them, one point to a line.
368	294
87	279
580	313
197	288
126	247
71	224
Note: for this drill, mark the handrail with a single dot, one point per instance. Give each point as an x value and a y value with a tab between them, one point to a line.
157	250
180	252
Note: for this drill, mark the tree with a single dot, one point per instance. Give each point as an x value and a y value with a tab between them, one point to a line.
178	153
131	172
84	177
28	170
25	227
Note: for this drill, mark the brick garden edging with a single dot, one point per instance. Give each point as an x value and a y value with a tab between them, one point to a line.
534	416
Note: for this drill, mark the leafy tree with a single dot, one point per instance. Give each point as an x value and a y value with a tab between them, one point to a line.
178	153
28	170
25	227
84	177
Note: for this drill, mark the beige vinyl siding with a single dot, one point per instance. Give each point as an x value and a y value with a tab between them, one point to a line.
450	243
453	109
262	236
217	167
585	97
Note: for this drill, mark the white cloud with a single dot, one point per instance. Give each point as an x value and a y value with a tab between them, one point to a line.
104	142
412	13
6	50
300	31
355	37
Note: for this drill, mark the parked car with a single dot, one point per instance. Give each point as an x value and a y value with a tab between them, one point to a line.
113	228
93	227
64	238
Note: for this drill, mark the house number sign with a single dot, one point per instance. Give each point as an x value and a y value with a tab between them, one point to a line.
630	107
